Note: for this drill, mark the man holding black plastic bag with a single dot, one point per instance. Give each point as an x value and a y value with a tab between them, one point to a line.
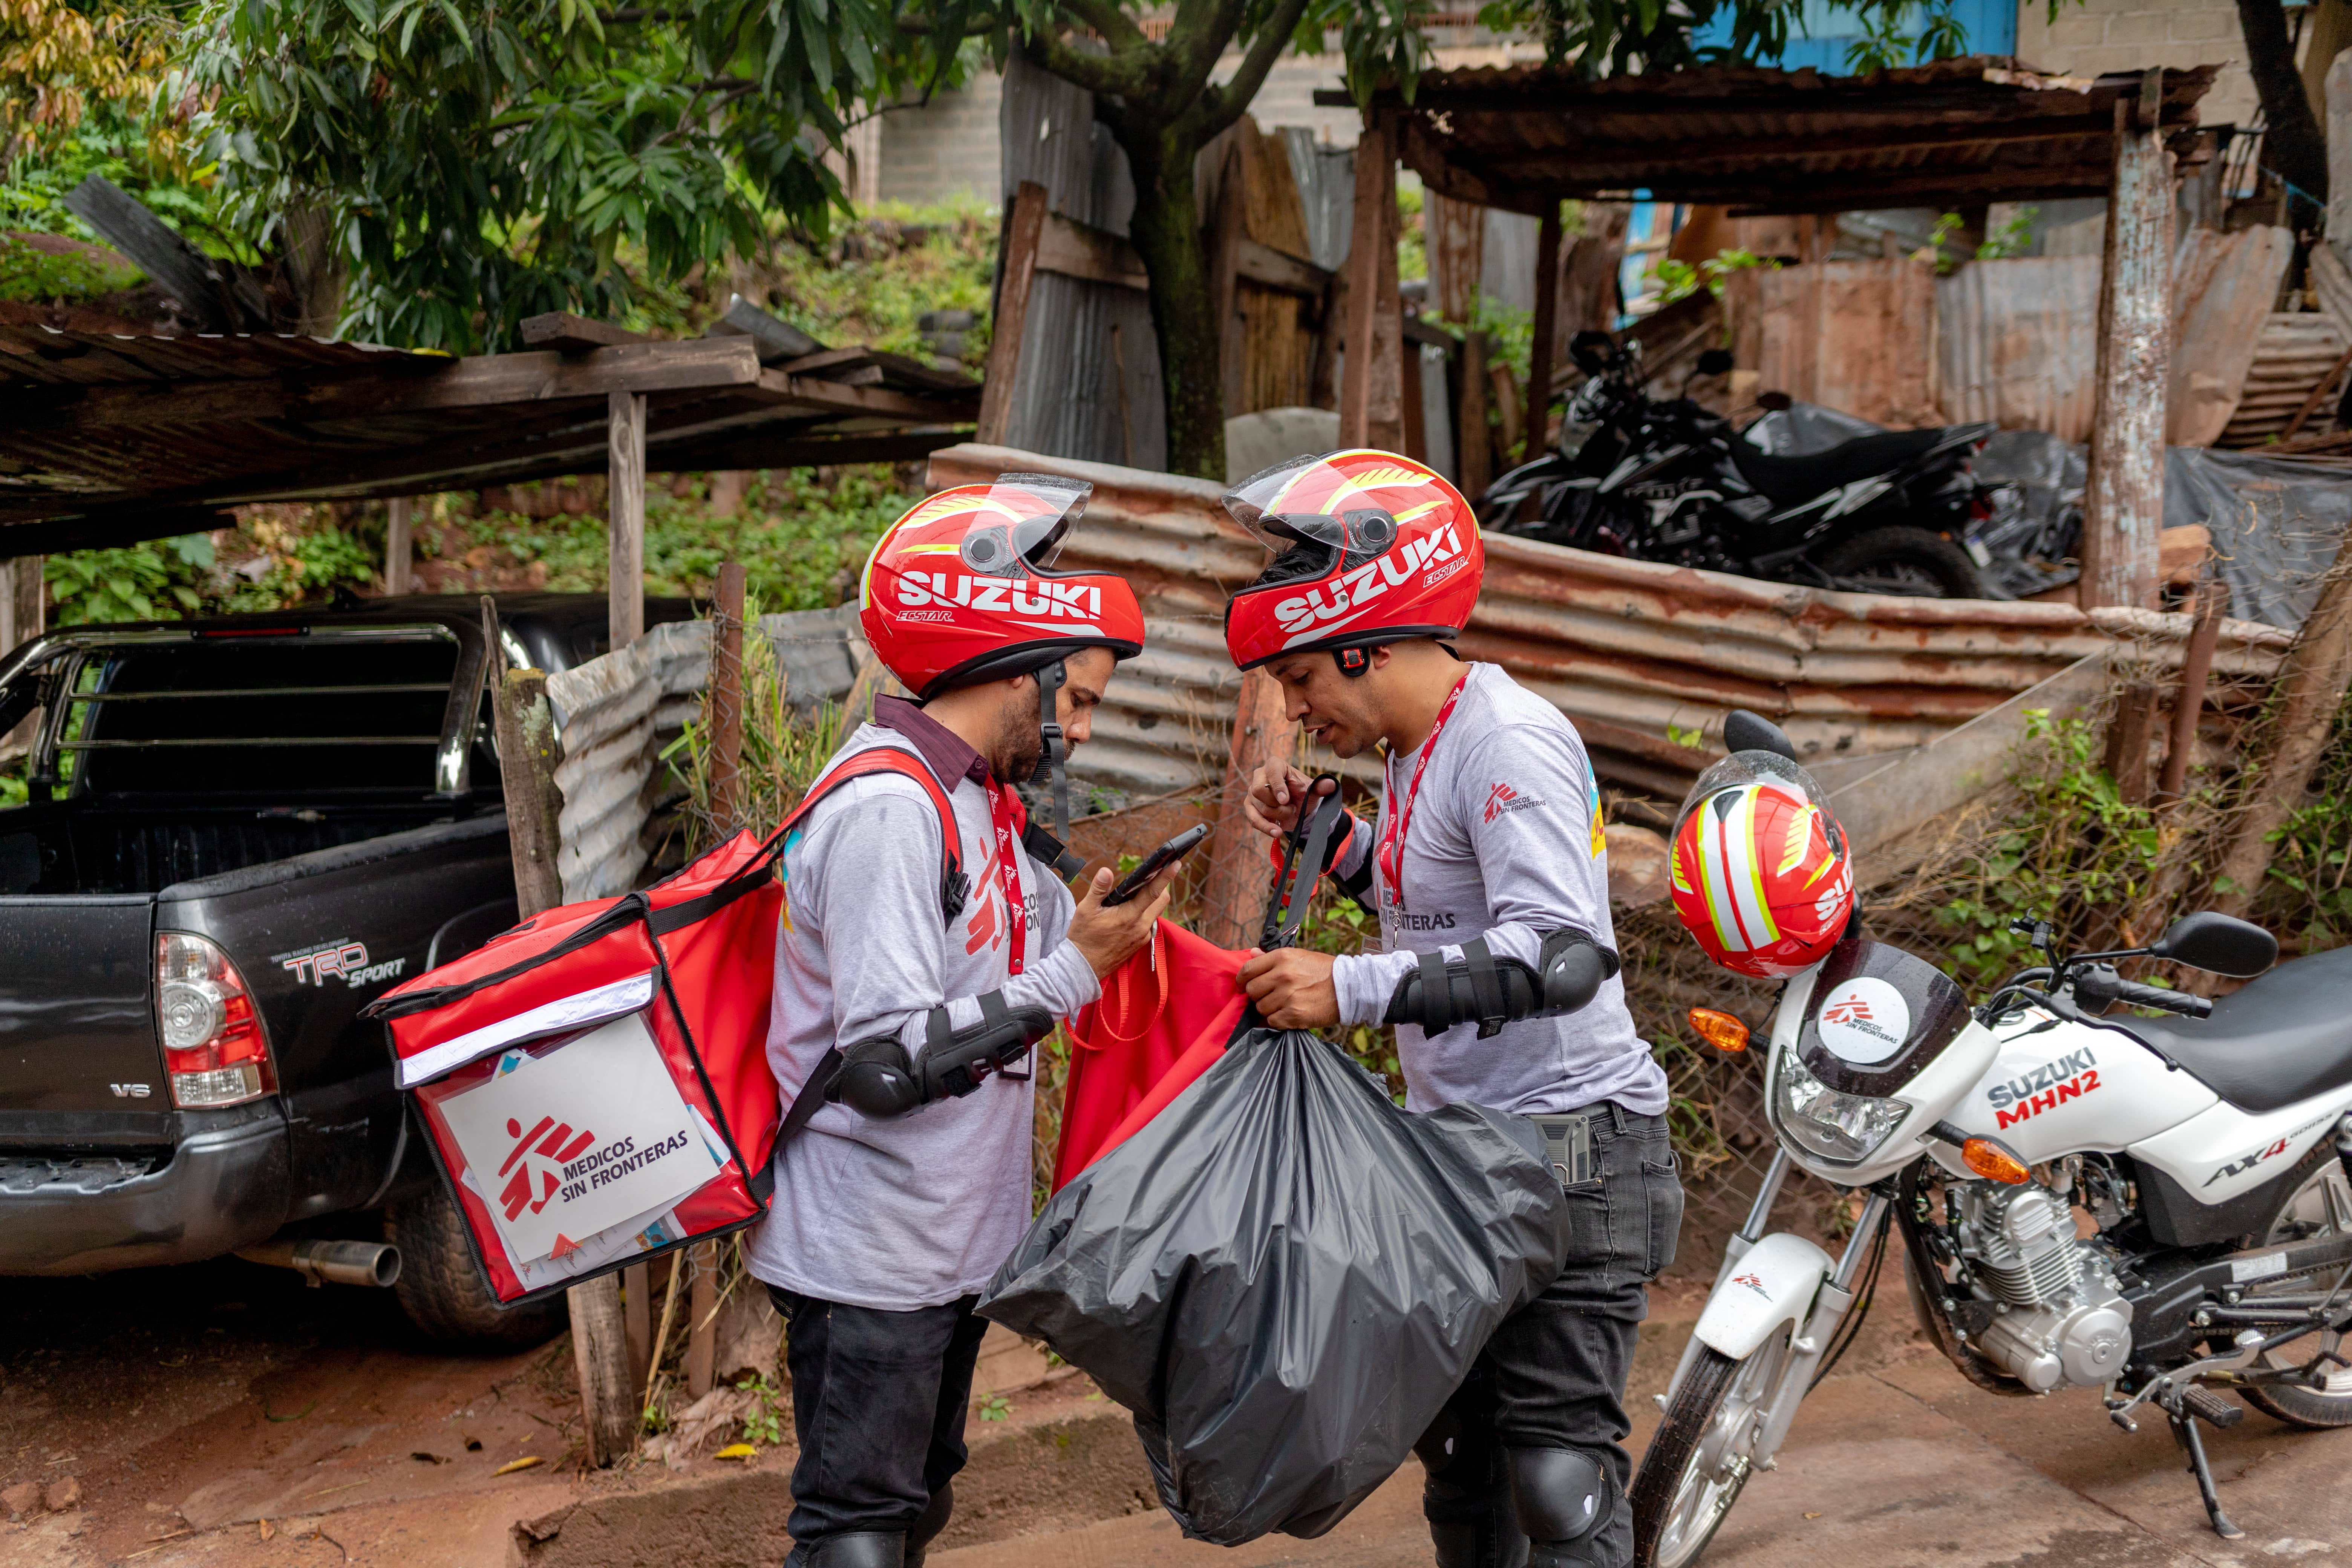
913	974
1487	869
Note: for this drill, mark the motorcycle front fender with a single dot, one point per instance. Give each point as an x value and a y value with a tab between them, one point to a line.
1773	1284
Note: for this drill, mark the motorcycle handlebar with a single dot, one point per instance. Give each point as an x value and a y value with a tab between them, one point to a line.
2098	989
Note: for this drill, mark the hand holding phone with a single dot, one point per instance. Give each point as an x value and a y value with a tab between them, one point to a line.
1154	863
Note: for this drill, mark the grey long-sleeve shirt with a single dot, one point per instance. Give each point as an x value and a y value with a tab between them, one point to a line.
919	1210
1504	841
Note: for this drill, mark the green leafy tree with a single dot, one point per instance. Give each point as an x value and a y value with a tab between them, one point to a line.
485	163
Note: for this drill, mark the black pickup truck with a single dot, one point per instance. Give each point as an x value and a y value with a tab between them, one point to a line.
238	832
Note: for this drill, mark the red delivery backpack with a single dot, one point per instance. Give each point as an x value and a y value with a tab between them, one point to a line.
595	1083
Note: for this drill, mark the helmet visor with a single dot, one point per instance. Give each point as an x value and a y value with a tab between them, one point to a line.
1026	520
1309	500
1767	768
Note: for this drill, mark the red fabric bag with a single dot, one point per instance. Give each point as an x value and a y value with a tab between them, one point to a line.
594	1082
1165	1015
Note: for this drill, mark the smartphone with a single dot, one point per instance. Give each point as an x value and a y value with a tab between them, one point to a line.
1154	863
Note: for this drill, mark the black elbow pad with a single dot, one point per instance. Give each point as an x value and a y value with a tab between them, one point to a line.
1492	992
878	1080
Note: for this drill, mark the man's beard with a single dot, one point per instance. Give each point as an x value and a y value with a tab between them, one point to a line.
1019	754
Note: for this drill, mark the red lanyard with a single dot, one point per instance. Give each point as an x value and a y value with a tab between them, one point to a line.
1400	817
1008	881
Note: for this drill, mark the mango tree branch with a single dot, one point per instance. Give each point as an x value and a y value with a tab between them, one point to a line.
1115	27
1222	105
1097	74
1195	39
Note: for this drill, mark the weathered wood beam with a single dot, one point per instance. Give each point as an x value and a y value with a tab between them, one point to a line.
626	501
480	382
1024	232
563	331
1080	250
835	397
1547	330
2123	501
1372	396
1260	264
399	545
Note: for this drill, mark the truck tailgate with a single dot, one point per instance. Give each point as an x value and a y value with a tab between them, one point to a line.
79	1058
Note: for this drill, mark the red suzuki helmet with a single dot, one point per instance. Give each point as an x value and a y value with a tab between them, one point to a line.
1370	548
1760	872
962	590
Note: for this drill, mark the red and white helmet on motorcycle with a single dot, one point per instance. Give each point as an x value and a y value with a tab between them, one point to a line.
1370	548
1761	873
962	589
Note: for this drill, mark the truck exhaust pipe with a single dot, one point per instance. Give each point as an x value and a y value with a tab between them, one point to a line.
375	1263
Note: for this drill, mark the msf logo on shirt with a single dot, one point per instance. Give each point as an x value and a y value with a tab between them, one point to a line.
553	1141
1326	602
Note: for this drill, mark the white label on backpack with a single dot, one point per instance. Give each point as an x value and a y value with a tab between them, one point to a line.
573	1012
569	1144
1864	1021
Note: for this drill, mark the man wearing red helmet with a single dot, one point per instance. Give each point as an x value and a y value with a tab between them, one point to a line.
1487	868
911	997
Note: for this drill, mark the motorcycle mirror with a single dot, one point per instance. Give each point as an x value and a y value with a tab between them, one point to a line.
2219	944
1715	362
1593	351
1746	732
1778	401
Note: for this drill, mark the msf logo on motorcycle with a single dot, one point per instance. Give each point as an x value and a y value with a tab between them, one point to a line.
1031	597
1307	611
2046	1088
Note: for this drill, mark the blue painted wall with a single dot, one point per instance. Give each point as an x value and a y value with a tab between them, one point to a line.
1820	40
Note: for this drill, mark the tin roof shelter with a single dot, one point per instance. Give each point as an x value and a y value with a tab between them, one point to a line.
107	439
1955	132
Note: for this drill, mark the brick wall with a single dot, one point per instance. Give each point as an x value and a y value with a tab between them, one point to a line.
2095	36
945	148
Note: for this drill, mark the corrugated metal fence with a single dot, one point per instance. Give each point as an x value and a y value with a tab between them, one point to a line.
1645	658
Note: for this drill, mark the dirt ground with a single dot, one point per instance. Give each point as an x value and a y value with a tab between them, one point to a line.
226	1414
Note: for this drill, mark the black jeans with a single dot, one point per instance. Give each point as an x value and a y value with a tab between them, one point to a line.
878	1402
1553	1376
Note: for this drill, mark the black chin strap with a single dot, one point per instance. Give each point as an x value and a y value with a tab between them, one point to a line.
1050	847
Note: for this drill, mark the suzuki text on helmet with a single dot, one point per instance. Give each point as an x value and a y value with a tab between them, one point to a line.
962	590
1370	548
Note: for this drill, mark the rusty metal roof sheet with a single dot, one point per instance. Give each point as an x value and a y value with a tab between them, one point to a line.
1981	128
106	438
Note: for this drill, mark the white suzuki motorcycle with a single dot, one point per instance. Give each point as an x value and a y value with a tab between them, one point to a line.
2158	1208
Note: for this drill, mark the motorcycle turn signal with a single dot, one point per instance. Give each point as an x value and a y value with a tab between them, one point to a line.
1988	1157
1719	1028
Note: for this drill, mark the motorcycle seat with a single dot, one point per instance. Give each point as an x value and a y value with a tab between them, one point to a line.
1791	480
2285	1036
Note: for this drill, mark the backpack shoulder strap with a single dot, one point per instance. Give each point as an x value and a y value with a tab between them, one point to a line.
954	885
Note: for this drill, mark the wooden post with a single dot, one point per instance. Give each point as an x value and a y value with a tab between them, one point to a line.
2123	505
637	1326
2196	666
2308	694
527	759
1473	444
2128	737
1021	236
1233	891
399	546
726	816
20	601
1416	416
1371	394
626	503
1537	412
1229	221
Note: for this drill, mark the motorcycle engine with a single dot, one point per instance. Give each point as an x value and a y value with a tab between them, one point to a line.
2061	1319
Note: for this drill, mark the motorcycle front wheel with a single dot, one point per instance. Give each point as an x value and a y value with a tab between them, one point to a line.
1907	561
1701	1456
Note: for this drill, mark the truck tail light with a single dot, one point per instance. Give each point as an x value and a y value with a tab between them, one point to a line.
213	1047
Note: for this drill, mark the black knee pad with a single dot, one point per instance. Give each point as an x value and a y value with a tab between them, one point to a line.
1563	1496
860	1549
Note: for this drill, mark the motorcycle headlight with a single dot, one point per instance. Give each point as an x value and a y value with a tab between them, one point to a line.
1843	1128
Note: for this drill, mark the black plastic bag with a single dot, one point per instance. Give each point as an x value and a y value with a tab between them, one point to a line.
1284	1276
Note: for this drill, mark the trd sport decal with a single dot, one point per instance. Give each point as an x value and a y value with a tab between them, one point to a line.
343	961
2046	1088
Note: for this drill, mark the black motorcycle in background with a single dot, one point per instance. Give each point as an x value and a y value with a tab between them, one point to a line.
1665	480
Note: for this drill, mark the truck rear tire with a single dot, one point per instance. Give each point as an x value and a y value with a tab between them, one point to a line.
441	1288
